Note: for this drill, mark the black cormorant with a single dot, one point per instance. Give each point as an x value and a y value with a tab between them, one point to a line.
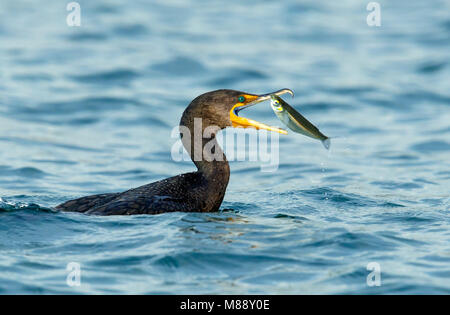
200	191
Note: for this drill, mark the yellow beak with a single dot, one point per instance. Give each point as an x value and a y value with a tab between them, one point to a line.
251	100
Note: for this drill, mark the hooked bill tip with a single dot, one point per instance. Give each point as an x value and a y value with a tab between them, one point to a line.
290	92
283	91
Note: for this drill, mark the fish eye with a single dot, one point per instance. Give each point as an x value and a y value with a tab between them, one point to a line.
241	99
276	103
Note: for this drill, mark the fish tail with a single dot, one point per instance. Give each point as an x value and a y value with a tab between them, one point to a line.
326	143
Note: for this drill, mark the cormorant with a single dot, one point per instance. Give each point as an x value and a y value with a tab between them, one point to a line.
200	191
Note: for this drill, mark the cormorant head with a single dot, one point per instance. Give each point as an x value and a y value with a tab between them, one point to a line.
221	108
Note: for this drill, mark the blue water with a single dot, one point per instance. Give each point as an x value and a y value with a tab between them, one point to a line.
90	109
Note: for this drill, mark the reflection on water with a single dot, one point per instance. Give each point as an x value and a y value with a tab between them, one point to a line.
91	109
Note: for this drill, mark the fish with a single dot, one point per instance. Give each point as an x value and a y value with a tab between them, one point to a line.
295	121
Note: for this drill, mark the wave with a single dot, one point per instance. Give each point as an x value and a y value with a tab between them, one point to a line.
7	206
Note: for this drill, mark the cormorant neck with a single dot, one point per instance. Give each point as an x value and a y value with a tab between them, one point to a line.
214	162
199	140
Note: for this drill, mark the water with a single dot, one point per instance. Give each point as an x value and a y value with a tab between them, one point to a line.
89	110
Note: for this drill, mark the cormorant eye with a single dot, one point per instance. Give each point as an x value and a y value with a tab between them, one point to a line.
241	99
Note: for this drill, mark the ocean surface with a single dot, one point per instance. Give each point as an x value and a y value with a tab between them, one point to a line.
90	109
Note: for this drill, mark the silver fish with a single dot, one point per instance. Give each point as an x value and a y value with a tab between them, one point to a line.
295	121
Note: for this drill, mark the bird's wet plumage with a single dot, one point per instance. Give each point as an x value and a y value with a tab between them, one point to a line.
184	192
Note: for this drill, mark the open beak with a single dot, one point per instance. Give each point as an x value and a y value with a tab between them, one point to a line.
251	100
